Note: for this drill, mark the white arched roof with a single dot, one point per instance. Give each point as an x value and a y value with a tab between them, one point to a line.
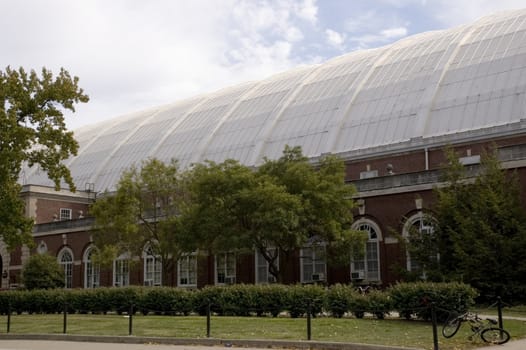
443	85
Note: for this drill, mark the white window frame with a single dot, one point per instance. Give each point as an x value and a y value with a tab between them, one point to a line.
153	268
65	214
91	270
418	218
263	275
313	262
187	270
65	259
121	271
371	252
225	268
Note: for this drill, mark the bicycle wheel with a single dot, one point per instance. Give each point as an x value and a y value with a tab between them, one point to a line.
451	327
495	335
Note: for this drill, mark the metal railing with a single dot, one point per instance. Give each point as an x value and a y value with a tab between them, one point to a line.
64	225
505	154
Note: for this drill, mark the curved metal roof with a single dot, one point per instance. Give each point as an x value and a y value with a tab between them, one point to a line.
436	84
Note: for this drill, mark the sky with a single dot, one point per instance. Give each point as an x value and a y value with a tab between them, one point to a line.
131	55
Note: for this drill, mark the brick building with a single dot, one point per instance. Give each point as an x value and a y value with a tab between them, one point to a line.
387	112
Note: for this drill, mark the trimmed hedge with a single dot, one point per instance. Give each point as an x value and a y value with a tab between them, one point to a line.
409	299
414	299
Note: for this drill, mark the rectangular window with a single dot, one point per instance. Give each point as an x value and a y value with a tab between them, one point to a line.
313	265
262	273
152	271
66	260
187	271
226	268
121	273
65	214
92	275
68	274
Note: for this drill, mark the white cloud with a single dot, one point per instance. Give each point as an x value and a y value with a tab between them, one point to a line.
362	22
133	54
335	39
456	12
393	33
308	10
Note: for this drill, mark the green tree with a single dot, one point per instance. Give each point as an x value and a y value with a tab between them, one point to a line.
32	132
42	271
276	209
143	212
480	230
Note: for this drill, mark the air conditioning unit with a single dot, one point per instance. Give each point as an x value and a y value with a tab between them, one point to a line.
230	280
271	279
318	277
148	283
358	275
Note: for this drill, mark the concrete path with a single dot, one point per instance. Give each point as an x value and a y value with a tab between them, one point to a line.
69	345
19	344
511	345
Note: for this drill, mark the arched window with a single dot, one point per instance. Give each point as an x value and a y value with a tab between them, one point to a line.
65	259
152	268
366	266
420	228
42	247
121	271
91	270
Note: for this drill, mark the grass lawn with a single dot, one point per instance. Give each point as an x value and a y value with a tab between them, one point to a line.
387	332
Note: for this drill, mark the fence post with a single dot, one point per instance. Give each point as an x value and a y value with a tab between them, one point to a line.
130	320
309	311
434	321
8	317
499	310
208	320
65	321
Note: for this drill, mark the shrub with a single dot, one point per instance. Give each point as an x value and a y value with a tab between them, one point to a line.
379	303
359	304
165	300
416	298
122	298
302	297
209	295
339	299
271	299
42	271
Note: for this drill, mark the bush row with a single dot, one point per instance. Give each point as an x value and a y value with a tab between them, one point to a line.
408	299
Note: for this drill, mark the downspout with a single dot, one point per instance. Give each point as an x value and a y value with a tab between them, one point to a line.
427	158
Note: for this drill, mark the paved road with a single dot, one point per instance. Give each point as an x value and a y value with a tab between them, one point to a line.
511	345
69	345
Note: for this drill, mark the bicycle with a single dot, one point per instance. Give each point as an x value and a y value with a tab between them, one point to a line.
486	329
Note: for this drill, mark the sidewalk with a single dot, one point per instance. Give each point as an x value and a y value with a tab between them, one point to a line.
65	342
511	345
82	342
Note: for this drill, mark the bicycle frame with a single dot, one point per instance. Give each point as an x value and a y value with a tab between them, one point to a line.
486	329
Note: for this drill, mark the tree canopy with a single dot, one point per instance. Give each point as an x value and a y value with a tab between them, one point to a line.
227	207
277	208
480	232
33	132
144	212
